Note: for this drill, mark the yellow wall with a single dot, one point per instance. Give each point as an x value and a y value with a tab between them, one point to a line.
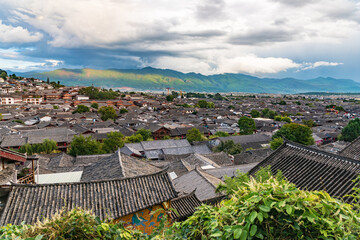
144	220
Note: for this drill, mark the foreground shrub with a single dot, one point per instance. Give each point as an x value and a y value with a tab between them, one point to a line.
75	224
272	209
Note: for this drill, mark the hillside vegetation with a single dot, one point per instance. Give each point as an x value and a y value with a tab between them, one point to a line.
159	79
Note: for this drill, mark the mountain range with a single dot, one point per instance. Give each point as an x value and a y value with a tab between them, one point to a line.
158	79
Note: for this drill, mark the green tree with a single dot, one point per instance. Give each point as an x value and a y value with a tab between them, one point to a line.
95	105
276	142
247	125
169	98
113	141
254	113
310	123
202	104
107	112
351	131
123	110
295	132
1	116
194	135
218	96
82	109
135	138
286	119
277	118
221	134
282	102
47	146
55	107
229	147
81	145
210	105
145	133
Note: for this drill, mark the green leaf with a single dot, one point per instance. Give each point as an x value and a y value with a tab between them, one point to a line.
237	233
264	208
289	209
39	237
217	234
260	217
253	215
244	235
253	230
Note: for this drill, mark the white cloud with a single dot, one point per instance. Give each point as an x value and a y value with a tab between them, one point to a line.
10	34
27	65
177	34
306	66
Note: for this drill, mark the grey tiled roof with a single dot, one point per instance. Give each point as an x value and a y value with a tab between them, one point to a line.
117	166
352	150
203	184
106	199
313	169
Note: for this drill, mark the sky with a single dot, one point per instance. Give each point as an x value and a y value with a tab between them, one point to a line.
265	38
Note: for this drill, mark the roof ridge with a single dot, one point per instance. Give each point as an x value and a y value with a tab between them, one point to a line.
317	151
356	139
161	172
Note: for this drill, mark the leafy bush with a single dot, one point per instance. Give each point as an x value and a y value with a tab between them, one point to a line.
272	209
74	224
107	113
194	135
82	109
81	145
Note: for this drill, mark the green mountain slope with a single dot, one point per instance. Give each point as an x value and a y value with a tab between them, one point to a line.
159	79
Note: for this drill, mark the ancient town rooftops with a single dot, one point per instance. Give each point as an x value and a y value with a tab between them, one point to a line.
107	199
185	206
352	150
313	169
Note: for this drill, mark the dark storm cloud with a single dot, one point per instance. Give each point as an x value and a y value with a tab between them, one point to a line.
259	37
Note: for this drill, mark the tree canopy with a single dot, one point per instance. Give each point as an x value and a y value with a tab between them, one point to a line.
295	132
194	135
81	145
94	93
229	147
247	125
82	109
113	141
351	131
107	112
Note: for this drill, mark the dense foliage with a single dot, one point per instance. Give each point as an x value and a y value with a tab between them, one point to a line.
81	145
267	113
82	109
47	147
295	132
271	209
351	131
94	93
229	147
75	224
95	105
113	141
107	113
145	133
276	143
254	113
3	74
205	104
194	135
247	125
